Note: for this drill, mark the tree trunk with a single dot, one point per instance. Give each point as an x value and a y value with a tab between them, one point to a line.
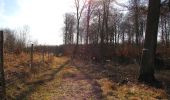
162	31
88	22
148	56
136	21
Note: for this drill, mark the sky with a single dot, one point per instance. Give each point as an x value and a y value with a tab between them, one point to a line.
44	17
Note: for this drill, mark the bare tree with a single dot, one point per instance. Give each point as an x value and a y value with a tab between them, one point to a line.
90	9
134	14
69	22
9	40
22	37
79	11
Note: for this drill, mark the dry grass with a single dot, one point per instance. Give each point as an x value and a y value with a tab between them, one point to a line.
18	72
53	81
111	75
130	91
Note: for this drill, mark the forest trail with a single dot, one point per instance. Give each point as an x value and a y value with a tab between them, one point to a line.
64	82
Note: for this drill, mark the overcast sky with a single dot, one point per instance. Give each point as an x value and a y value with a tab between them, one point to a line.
44	17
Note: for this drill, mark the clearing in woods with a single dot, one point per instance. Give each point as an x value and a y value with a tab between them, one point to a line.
61	80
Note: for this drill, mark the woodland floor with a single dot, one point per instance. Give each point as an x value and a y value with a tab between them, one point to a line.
59	79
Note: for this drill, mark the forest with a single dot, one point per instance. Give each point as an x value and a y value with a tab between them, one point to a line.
129	32
112	50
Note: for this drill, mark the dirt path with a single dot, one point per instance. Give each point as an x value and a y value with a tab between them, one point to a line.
65	82
60	80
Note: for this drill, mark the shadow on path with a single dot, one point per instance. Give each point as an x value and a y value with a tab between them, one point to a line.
96	86
33	85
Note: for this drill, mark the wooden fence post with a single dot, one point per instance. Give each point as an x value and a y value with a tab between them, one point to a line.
31	61
43	54
2	76
48	53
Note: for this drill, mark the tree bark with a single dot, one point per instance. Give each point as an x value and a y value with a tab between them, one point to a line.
136	16
148	56
88	21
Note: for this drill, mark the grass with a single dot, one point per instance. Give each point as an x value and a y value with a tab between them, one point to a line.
21	79
130	91
56	79
47	90
110	76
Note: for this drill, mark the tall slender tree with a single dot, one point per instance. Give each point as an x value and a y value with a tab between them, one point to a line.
69	22
79	11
